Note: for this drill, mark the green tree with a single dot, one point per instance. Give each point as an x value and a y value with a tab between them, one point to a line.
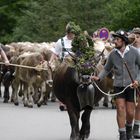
123	14
10	10
45	20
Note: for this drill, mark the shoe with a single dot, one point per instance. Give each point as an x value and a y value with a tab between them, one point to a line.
62	108
123	135
129	133
136	132
53	100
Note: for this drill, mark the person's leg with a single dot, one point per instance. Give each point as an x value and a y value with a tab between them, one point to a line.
136	128
130	112
121	112
121	117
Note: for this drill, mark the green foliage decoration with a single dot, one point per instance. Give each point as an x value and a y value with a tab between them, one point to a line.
83	47
73	28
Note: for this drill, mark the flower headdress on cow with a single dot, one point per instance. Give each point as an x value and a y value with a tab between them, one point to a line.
83	47
71	27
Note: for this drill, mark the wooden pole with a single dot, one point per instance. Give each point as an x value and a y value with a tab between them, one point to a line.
137	89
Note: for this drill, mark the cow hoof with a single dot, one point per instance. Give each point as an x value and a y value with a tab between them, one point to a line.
5	100
16	103
53	100
77	138
86	136
39	105
62	108
97	104
44	103
25	105
30	106
105	104
82	137
35	102
12	101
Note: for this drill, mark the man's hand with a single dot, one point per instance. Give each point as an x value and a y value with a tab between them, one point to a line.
96	78
7	63
135	84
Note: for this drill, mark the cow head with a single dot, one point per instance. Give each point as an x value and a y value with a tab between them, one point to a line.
47	73
54	64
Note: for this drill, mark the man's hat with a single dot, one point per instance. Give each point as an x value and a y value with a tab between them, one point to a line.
136	30
121	34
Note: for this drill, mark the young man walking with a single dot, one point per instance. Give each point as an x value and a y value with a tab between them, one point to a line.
123	54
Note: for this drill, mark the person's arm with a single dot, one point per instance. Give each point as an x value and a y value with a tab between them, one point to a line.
56	51
107	68
136	82
4	57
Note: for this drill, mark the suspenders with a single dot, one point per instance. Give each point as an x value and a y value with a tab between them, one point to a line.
63	48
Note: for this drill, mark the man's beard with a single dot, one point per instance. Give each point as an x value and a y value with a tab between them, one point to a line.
118	47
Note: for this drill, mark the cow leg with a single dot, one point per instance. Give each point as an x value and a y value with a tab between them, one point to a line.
53	97
85	128
30	98
0	89
113	103
74	121
6	94
42	92
7	78
36	95
14	96
25	92
47	94
1	77
105	101
20	93
41	100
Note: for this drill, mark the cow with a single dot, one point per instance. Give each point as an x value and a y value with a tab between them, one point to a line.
32	79
69	90
6	74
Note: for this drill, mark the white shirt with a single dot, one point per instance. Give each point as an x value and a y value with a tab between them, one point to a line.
138	50
125	51
58	47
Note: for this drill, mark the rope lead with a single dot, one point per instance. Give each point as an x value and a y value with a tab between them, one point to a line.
110	95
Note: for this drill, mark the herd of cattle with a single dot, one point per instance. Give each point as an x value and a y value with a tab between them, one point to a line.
33	82
30	74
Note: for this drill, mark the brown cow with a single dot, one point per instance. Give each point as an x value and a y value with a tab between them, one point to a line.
31	78
67	88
